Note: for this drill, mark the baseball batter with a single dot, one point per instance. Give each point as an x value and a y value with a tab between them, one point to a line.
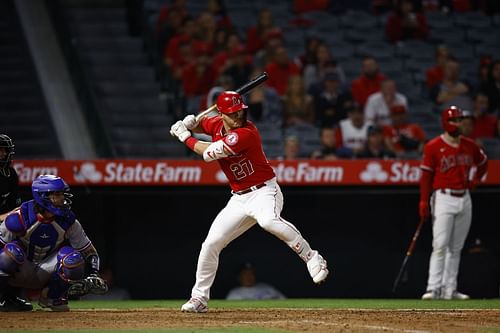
446	173
256	196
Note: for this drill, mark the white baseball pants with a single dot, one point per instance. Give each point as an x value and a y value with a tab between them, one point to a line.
451	223
262	206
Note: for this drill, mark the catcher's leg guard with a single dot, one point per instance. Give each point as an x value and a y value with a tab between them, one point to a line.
12	256
70	267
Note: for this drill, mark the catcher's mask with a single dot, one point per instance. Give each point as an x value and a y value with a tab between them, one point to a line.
41	189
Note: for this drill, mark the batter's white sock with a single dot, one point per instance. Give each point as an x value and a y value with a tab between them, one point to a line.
302	247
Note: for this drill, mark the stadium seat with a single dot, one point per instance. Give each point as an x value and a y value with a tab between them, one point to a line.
415	49
448	35
472	20
358	20
488	49
482	35
378	50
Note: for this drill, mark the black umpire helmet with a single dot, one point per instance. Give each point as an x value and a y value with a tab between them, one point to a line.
6	143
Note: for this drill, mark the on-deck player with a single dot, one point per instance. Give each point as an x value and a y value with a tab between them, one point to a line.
446	173
9	181
256	196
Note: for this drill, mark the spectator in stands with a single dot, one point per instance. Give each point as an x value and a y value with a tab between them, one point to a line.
206	28
406	23
328	150
451	91
179	52
483	72
168	27
250	289
351	134
264	103
375	145
403	138
258	34
218	10
368	82
492	87
304	6
177	9
239	65
280	69
329	101
273	41
198	78
467	124
434	75
298	107
322	62
291	148
378	104
309	56
224	59
486	125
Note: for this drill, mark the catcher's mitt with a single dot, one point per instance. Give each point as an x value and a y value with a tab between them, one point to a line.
92	284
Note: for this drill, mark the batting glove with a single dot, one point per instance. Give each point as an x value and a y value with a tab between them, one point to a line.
190	122
180	131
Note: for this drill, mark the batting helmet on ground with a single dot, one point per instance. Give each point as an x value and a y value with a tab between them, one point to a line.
230	102
449	114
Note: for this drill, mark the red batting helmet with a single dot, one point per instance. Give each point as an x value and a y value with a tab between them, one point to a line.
448	114
230	102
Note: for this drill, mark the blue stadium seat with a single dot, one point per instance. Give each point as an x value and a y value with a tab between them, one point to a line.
491	49
482	35
472	20
358	20
448	35
415	49
378	50
342	50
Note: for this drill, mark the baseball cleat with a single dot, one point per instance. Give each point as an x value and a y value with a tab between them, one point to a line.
455	295
15	304
194	305
56	305
431	294
317	268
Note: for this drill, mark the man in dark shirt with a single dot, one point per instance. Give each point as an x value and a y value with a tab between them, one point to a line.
9	181
375	147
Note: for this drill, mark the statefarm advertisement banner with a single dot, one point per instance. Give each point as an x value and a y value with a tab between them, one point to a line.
195	172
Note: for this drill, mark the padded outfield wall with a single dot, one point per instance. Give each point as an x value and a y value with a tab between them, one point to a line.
151	236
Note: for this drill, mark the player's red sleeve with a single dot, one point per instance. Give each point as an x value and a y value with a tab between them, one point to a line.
425	185
209	125
427	163
239	140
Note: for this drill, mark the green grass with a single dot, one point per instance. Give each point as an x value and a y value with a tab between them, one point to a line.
300	303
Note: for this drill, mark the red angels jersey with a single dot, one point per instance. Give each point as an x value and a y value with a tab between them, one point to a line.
246	164
451	164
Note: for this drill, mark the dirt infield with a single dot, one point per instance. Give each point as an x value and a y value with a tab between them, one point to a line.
293	320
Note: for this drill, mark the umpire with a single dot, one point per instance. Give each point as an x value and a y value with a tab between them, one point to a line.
9	181
9	199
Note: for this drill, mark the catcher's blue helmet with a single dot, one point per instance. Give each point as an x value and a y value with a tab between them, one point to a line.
44	185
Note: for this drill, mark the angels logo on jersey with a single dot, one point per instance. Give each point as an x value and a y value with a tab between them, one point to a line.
231	139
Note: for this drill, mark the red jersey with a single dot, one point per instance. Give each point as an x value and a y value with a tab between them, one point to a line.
451	164
247	164
412	131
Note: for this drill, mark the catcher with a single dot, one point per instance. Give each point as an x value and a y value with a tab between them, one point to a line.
43	246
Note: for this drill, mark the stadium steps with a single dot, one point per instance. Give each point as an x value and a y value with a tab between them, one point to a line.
124	83
23	110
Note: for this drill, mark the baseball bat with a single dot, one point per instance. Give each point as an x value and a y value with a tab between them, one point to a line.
409	252
241	90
